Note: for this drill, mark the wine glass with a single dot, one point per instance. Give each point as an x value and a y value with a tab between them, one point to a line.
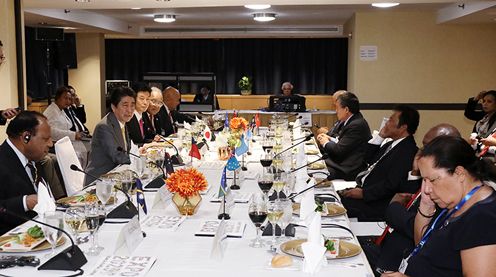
104	190
102	214
274	214
53	218
74	219
287	206
257	211
265	182
92	216
127	182
279	182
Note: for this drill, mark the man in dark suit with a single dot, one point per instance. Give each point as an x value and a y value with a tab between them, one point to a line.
169	112
110	134
346	144
138	132
206	96
387	168
153	118
77	107
29	139
388	250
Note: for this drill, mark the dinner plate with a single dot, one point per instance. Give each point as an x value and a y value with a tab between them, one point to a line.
312	152
43	246
80	200
332	210
346	249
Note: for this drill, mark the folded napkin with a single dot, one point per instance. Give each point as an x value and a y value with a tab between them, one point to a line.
45	201
187	126
313	249
300	184
307	206
134	160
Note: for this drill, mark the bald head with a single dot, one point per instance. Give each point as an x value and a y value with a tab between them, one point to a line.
172	98
336	94
442	129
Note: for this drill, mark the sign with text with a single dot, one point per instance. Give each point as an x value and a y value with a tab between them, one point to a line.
136	266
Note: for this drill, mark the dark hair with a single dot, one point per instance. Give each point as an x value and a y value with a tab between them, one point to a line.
60	91
137	87
490	92
408	116
349	100
25	121
119	92
449	152
1	44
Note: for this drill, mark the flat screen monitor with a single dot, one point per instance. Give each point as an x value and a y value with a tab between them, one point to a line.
195	107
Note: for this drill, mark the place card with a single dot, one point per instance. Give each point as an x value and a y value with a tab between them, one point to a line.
137	266
162	222
233	228
129	238
162	199
219	244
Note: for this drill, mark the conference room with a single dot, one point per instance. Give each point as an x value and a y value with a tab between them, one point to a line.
225	61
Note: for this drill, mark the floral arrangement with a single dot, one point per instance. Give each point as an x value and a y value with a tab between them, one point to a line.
245	83
186	182
237	125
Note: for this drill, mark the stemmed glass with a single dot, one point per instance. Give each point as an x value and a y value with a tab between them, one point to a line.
274	214
266	160
92	216
257	211
279	182
265	182
287	206
74	219
53	218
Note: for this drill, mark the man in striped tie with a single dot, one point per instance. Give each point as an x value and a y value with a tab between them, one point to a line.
385	252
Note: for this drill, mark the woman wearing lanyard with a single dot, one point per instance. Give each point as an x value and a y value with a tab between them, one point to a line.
458	241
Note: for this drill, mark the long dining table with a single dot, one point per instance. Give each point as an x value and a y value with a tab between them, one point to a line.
181	253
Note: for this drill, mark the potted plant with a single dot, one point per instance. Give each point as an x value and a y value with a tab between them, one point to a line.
245	85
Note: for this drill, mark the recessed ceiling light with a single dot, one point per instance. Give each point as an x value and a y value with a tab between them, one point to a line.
264	17
164	18
135	8
257	7
83	1
385	4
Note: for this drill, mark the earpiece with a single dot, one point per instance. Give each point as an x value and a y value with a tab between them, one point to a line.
27	138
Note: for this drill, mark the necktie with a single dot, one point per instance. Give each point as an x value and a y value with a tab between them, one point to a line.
141	128
152	120
34	173
379	240
362	175
123	131
79	125
172	123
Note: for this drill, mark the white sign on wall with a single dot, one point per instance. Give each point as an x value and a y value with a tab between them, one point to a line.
368	53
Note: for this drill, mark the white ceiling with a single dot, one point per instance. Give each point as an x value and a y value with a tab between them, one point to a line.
116	18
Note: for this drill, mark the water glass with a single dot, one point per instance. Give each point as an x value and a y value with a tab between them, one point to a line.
287	206
53	218
104	190
92	217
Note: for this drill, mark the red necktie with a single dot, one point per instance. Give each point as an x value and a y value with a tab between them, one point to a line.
141	127
379	240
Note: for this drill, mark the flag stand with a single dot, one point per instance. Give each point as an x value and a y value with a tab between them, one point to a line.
224	215
235	186
243	166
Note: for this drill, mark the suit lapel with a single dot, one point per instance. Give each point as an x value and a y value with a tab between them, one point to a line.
16	164
117	129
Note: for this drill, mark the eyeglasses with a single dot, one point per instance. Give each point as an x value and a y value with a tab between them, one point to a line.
157	103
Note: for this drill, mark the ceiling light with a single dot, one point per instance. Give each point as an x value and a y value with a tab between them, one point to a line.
135	8
164	18
264	17
83	1
257	7
385	5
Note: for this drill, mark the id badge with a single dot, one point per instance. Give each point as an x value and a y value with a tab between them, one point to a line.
403	265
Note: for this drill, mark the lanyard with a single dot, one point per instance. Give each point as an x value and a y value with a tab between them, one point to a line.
427	234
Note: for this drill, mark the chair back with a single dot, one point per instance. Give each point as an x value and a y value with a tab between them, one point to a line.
66	156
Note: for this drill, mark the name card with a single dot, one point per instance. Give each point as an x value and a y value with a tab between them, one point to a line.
219	244
137	266
162	199
129	238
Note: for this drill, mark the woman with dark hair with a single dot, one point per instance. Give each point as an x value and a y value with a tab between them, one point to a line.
486	119
458	241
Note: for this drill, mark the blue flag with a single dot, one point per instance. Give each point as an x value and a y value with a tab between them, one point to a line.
140	197
226	121
249	134
243	148
232	163
223	184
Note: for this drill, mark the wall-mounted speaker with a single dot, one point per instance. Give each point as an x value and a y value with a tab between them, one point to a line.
66	52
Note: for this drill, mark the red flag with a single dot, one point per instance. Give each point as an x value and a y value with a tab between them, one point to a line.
194	152
235	114
257	120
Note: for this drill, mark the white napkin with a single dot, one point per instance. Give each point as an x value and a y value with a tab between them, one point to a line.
301	157
134	160
300	184
197	119
307	206
45	201
313	249
187	126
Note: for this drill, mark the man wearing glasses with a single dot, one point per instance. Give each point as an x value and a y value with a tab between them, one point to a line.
153	118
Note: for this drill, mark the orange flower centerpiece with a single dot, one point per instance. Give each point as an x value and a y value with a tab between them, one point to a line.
186	184
238	125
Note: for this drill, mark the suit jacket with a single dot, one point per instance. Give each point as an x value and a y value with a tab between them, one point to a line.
210	99
135	131
169	126
347	156
14	185
104	155
158	126
80	113
384	180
